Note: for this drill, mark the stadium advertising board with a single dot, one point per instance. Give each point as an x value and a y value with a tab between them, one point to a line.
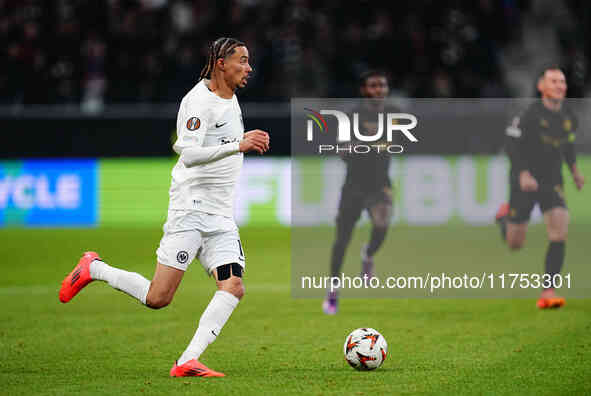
48	193
428	191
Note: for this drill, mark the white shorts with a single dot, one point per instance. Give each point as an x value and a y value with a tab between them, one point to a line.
213	239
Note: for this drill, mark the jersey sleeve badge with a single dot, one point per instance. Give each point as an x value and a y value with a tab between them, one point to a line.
513	130
193	123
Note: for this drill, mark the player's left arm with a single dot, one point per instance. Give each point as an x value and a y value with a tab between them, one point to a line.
571	160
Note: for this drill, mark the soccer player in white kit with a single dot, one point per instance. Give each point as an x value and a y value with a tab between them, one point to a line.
211	142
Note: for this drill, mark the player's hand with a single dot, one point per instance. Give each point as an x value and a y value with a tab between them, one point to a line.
578	179
527	182
255	140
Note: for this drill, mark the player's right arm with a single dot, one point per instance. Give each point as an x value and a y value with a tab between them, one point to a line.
255	140
517	151
192	127
191	130
197	154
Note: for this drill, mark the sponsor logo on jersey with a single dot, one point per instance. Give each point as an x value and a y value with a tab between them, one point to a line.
552	141
220	124
193	123
226	140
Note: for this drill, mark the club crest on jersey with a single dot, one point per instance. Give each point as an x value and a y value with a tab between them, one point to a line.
193	123
182	257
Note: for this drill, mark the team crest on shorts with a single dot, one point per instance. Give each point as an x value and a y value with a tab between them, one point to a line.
193	123
182	257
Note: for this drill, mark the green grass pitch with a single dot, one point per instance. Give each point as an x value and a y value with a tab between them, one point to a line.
105	343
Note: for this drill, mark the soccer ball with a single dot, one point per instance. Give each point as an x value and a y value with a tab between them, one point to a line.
365	349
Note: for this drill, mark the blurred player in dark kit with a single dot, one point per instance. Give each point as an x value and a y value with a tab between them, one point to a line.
538	142
367	186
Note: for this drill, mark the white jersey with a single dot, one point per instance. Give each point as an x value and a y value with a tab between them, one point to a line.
208	121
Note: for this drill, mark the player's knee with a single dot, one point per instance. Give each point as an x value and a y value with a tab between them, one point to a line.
239	290
381	226
515	243
381	218
158	300
234	286
557	224
558	235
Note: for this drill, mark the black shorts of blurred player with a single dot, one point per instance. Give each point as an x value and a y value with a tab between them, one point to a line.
522	203
552	204
378	204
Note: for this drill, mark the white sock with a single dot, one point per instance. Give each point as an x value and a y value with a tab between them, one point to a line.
131	283
213	319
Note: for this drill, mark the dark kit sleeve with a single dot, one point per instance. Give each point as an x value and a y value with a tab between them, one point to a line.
518	135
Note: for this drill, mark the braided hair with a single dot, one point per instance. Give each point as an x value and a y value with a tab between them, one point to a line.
221	48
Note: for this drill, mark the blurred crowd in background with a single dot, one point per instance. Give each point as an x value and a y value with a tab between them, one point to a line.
95	52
